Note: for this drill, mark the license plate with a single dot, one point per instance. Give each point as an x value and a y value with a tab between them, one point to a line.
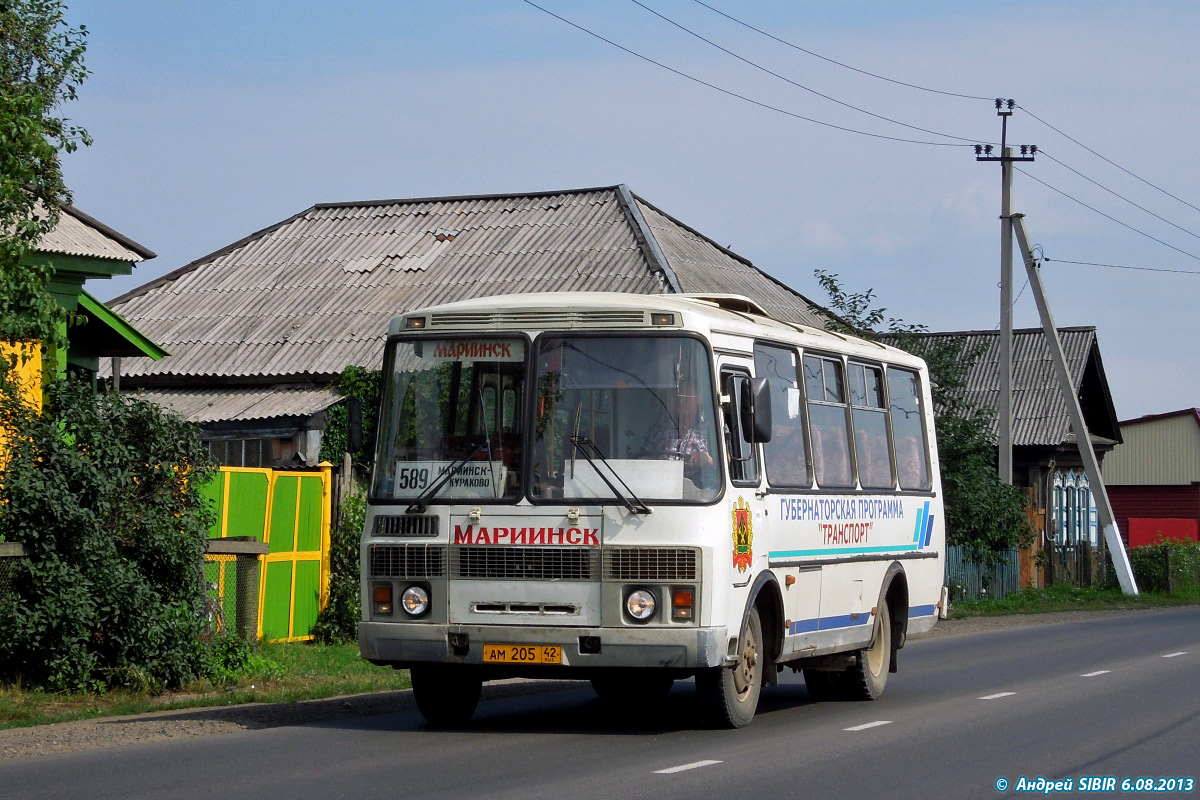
522	654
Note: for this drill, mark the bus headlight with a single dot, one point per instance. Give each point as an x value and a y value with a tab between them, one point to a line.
415	601
640	604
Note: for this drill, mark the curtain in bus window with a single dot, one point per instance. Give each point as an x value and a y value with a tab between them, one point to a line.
827	419
908	431
870	427
786	453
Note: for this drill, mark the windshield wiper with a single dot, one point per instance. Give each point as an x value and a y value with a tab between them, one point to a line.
419	505
589	450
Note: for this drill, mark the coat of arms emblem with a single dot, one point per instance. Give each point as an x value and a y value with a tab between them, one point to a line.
743	535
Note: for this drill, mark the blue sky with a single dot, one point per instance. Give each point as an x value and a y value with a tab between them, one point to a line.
212	122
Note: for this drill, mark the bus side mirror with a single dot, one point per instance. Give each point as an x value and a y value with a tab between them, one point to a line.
354	428
756	410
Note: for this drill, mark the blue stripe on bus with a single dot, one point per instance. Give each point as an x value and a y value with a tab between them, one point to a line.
849	620
829	623
842	551
928	531
917	529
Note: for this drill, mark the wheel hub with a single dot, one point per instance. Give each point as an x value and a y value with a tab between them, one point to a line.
743	676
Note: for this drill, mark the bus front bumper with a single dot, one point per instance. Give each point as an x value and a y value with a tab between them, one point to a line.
402	644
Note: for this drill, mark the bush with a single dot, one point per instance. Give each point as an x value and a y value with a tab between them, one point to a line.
104	493
338	621
230	657
1166	566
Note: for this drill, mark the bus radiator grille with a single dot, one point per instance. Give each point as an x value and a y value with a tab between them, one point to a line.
524	563
389	525
408	560
651	564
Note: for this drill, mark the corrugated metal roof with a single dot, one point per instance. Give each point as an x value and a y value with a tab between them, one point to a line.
77	234
314	293
703	266
1040	416
241	404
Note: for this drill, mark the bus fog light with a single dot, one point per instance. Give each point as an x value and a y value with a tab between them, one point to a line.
640	604
682	605
415	601
381	598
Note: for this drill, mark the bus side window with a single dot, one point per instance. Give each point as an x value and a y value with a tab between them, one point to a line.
826	389
870	427
908	430
786	455
743	456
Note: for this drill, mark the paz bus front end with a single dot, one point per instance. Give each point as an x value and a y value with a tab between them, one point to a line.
510	526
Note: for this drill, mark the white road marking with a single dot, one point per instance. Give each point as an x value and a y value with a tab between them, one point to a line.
997	695
682	767
874	724
1172	655
1094	674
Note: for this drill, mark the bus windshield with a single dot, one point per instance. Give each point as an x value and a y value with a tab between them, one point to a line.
637	410
451	425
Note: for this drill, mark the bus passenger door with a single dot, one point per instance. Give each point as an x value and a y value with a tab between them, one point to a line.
746	499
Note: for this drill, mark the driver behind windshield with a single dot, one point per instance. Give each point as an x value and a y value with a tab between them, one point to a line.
679	434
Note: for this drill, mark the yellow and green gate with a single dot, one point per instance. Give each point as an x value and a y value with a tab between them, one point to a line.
290	512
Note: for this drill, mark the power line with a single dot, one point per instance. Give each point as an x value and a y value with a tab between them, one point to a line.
1108	217
1122	266
730	93
1115	194
1108	160
784	78
833	61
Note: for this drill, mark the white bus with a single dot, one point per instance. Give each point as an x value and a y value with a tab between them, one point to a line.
636	489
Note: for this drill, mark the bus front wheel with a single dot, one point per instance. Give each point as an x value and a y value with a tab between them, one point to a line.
730	696
446	694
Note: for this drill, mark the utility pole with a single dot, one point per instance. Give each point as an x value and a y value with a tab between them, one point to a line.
1004	109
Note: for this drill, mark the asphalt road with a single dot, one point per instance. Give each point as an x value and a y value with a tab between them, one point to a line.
1116	696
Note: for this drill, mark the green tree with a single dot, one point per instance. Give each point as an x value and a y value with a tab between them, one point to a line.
41	67
983	515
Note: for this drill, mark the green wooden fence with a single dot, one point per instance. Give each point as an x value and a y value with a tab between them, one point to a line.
290	512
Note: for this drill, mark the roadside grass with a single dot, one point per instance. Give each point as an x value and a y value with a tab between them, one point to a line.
1069	598
279	673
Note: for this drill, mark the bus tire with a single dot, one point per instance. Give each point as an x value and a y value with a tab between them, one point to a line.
730	696
446	694
868	677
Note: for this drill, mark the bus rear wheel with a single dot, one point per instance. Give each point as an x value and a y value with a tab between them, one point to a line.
446	694
730	696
